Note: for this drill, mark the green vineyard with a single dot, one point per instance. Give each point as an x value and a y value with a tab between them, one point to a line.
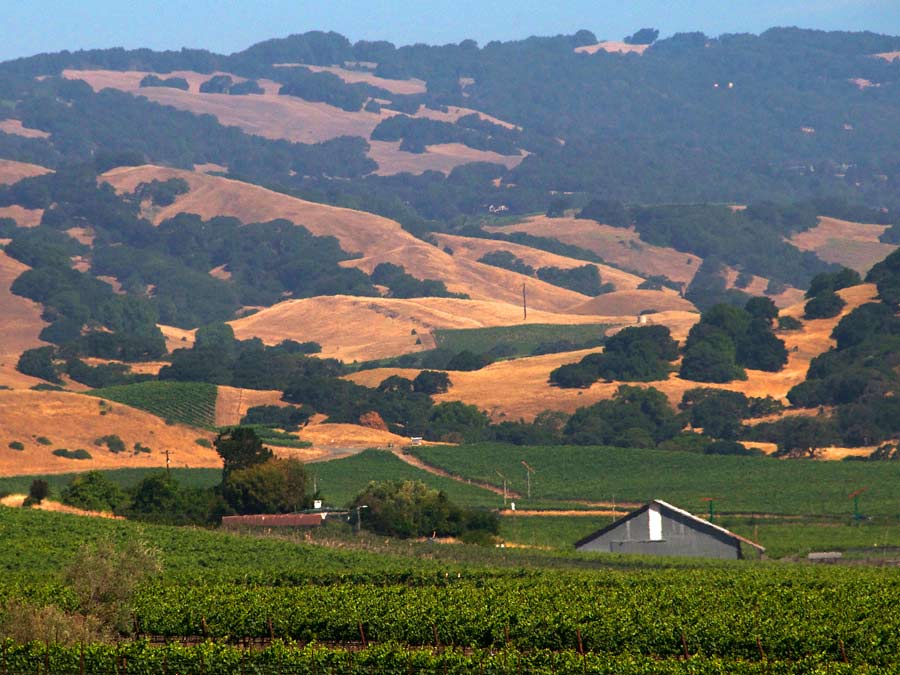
185	402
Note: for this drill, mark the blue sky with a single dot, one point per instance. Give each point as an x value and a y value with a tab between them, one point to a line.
225	26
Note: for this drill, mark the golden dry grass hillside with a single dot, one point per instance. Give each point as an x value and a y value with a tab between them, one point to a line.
16	128
633	302
520	389
361	329
408	87
23	217
12	171
618	246
612	46
293	119
75	421
854	245
232	403
20	325
472	248
376	238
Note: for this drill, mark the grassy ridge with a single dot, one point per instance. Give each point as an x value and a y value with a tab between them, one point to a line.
191	403
738	484
524	339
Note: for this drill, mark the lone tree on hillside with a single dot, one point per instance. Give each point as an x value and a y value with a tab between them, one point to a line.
240	448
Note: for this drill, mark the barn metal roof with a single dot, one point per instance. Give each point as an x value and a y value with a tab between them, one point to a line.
700	522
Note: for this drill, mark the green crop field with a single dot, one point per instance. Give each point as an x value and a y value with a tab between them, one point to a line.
339	481
186	402
508	612
737	484
559	532
521	340
124	478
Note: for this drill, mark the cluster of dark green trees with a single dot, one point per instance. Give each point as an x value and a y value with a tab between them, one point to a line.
720	345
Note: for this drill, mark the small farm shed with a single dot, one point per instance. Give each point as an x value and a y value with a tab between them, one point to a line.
275	520
658	528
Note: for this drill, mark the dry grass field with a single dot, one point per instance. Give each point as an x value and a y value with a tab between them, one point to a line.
376	238
472	248
232	403
15	128
443	157
293	119
361	329
20	324
520	389
28	415
612	46
617	246
407	87
889	56
853	245
23	217
632	302
12	171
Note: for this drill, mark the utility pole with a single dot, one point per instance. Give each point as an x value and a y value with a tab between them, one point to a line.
505	494
524	304
167	463
528	472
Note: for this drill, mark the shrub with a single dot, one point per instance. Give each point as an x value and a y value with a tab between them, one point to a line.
138	448
39	490
111	441
16	445
203	442
72	454
93	491
43	440
789	323
824	306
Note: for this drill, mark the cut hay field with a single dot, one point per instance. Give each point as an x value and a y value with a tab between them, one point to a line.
289	118
854	245
74	421
364	329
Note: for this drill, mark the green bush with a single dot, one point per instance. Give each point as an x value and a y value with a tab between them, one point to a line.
72	454
93	491
823	306
111	441
16	445
43	440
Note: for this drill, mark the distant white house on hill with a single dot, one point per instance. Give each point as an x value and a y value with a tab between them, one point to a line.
658	528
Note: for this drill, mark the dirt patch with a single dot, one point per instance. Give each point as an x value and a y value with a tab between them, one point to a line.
12	172
618	246
888	56
74	421
353	328
232	403
613	47
16	501
853	245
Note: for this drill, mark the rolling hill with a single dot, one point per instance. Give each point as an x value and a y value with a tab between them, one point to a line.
294	119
